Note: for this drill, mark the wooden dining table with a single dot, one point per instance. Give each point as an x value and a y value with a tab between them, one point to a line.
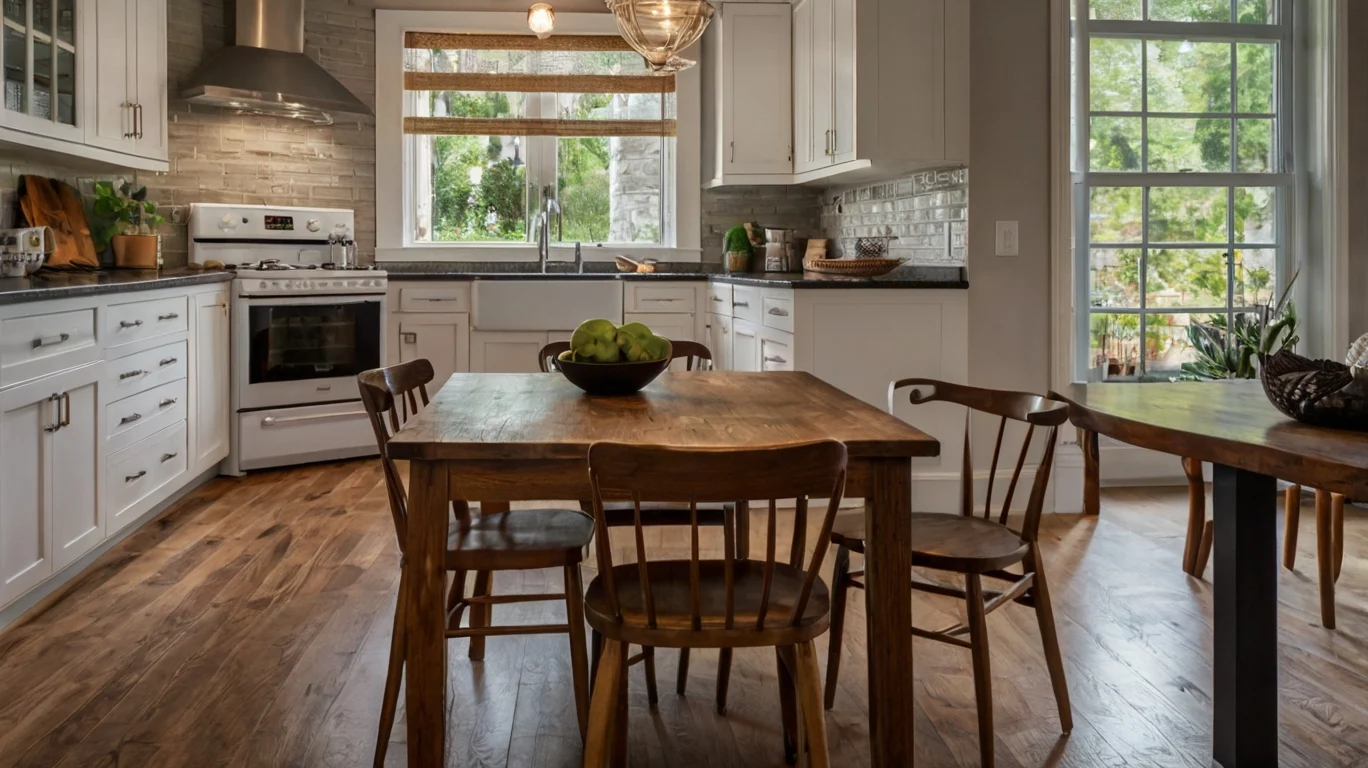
1250	445
525	437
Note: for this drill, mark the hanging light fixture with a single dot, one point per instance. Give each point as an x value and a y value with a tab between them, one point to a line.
660	29
541	19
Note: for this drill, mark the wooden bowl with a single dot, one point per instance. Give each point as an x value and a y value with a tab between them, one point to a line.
611	379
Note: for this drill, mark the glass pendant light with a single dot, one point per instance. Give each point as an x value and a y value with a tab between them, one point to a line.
541	19
660	29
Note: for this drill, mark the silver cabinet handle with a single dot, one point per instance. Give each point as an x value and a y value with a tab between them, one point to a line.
57	419
137	120
775	360
272	421
129	323
130	419
409	337
169	316
747	335
128	105
166	402
48	341
168	456
131	374
167	361
733	152
66	410
131	478
779	312
719	299
662	300
740	303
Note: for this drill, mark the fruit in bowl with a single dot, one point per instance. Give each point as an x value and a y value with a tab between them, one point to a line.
605	359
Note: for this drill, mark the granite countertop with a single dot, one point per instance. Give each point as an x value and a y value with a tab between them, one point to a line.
438	274
816	280
913	277
64	285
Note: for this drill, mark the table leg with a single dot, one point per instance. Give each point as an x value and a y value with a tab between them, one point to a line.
1092	472
1245	587
425	639
888	573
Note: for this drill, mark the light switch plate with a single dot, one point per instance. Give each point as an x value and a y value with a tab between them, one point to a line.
1007	240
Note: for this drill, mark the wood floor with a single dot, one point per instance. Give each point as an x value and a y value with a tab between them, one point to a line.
250	625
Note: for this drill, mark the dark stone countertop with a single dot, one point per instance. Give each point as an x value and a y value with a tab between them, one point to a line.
65	285
431	274
805	280
915	277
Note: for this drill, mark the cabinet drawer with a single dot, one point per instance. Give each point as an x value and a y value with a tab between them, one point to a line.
778	310
37	345
144	370
746	303
675	297
720	298
137	416
135	321
776	351
144	469
451	297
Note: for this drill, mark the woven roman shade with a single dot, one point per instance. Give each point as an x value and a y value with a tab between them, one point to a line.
520	82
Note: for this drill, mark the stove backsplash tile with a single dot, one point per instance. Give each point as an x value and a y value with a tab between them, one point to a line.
927	212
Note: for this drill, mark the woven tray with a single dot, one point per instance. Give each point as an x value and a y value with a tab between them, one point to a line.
852	267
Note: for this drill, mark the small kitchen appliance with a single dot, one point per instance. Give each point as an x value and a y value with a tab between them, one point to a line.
303	325
23	251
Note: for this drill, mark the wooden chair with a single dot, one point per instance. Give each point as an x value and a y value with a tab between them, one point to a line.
619	515
493	541
974	548
696	603
1329	535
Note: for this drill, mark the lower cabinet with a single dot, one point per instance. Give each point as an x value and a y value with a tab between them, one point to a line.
210	378
509	351
677	326
719	332
50	469
139	471
745	346
442	338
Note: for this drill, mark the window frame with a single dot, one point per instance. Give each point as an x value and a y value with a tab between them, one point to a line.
1083	180
395	199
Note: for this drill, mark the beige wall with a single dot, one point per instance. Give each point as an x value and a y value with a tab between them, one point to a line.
1358	169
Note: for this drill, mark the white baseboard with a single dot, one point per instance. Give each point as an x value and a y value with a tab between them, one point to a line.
1121	465
940	491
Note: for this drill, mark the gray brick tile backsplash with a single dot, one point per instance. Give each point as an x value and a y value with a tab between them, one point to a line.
928	213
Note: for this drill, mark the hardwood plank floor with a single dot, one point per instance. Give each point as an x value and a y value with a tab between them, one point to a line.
249	626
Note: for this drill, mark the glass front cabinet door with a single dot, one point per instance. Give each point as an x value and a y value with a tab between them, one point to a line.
39	48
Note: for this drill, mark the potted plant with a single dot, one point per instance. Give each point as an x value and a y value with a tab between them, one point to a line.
738	247
132	224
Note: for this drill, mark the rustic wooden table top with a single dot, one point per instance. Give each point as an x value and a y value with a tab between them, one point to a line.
1229	423
541	416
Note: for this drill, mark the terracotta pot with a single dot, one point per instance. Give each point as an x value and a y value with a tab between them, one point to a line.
738	261
136	251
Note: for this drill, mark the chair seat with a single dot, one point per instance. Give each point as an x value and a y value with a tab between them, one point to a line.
669	581
619	514
522	539
946	542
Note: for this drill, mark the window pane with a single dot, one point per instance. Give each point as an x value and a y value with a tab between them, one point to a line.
1185	76
1166	342
1126	10
14	11
1185	278
1256	146
1189	10
476	104
1256	276
1115	144
478	189
66	20
1254	77
582	186
1256	11
1114	75
1187	214
1115	277
1115	215
610	189
1256	215
1114	341
1180	144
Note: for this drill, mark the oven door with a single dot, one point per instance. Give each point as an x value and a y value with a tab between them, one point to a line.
299	350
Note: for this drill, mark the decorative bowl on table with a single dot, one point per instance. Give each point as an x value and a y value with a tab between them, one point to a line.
605	359
609	379
1323	393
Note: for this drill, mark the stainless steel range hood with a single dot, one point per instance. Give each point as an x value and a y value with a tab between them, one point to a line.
267	72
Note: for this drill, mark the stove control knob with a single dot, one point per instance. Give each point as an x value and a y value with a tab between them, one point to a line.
228	223
261	285
313	225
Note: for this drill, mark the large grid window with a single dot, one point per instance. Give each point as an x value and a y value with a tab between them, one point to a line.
1181	172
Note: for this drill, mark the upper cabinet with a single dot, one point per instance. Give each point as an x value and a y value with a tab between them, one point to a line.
748	87
86	78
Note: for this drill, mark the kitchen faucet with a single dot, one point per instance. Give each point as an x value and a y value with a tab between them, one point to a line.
548	206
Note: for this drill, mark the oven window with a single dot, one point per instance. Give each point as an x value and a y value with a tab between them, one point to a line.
313	341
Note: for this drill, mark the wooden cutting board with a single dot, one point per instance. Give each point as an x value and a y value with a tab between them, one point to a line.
50	203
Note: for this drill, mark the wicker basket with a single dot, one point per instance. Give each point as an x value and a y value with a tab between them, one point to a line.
852	267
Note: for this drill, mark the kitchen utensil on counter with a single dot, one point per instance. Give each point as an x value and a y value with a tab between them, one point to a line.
342	250
23	251
852	267
872	247
816	248
627	264
779	250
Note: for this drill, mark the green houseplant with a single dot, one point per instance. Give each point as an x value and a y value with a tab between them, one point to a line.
738	247
1230	350
131	224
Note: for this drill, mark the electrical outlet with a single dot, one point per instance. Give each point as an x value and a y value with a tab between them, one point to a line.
1007	240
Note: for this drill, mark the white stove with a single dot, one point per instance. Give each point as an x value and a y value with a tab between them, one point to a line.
302	329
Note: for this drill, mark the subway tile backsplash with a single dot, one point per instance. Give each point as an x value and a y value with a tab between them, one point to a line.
927	212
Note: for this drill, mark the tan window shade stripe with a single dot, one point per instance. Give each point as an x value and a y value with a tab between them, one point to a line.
470	126
479	81
449	41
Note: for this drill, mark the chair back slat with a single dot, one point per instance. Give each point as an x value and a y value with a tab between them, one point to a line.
388	395
800	508
712	475
729	562
1020	407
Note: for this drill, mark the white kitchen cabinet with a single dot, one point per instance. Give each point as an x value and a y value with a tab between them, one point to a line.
128	108
508	351
210	380
719	340
42	55
50	470
749	84
776	350
745	348
443	339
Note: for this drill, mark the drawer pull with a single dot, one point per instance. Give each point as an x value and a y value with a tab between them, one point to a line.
166	402
131	374
129	323
440	300
167	361
48	341
169	316
778	312
56	425
168	456
775	360
662	299
139	476
740	303
272	421
719	299
130	419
